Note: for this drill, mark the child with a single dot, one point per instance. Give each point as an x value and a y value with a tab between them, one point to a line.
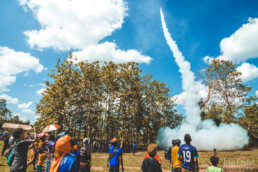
41	158
33	155
214	168
176	164
156	157
150	164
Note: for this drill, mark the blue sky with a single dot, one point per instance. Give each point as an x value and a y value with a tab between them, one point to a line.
197	26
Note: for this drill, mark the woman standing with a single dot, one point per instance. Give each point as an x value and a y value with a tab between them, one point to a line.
21	147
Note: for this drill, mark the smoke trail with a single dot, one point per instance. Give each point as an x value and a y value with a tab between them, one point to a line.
205	135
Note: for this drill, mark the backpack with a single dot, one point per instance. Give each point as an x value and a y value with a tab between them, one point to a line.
10	157
168	153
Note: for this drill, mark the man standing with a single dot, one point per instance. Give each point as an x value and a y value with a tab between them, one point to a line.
189	156
134	147
176	164
115	156
85	155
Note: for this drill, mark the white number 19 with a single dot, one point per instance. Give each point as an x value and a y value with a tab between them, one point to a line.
187	156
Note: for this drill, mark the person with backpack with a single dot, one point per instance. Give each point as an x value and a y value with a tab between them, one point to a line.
63	162
115	156
188	155
85	155
151	164
19	150
176	164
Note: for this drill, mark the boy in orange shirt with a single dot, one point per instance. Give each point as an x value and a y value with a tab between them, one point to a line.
155	157
176	164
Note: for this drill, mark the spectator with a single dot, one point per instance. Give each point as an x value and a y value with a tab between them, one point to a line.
5	138
51	149
99	146
150	164
85	156
33	155
62	161
188	155
21	147
115	156
156	157
176	164
75	153
41	159
134	147
214	168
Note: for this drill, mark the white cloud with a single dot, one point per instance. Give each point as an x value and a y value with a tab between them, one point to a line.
67	24
9	99
80	25
27	111
241	45
40	91
256	93
24	105
108	51
249	72
13	63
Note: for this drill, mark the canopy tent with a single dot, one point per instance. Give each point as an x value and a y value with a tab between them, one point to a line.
13	126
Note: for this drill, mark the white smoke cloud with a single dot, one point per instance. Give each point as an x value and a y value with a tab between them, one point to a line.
205	135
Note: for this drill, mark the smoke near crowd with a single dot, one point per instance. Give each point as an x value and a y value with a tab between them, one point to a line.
205	135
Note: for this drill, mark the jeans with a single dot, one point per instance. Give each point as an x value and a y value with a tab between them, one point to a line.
113	168
47	166
39	168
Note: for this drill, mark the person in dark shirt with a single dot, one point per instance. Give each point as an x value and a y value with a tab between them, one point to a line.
85	155
21	147
6	144
150	164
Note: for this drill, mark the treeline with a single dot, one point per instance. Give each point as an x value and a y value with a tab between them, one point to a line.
7	116
105	100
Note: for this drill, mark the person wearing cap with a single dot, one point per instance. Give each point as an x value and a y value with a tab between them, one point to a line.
176	164
151	164
188	155
115	156
62	161
85	155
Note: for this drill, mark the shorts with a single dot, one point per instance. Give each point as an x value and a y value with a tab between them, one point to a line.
39	168
186	170
113	168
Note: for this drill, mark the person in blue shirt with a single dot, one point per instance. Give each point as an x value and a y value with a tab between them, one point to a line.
63	162
134	147
188	155
115	157
75	153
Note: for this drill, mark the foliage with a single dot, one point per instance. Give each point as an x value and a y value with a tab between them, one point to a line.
105	100
227	93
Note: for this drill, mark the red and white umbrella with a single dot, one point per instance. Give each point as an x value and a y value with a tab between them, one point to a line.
42	134
51	128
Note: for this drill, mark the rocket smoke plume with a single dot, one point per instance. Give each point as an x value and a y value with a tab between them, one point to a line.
205	135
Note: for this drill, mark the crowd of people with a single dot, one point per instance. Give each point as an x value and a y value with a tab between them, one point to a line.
62	154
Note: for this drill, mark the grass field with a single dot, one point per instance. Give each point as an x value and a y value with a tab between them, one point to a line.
230	161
